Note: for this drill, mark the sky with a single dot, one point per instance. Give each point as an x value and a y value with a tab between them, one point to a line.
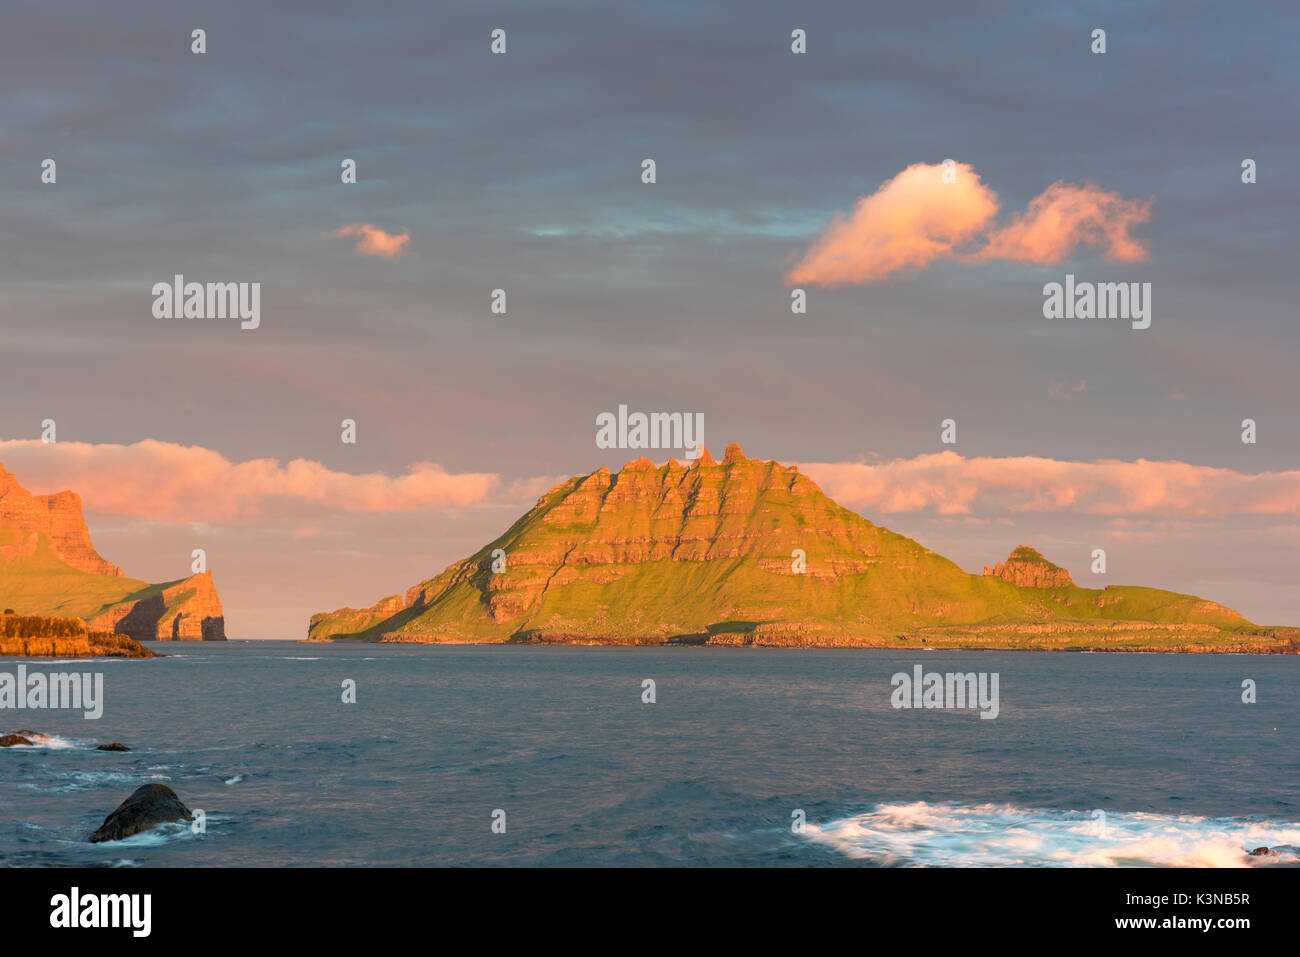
774	170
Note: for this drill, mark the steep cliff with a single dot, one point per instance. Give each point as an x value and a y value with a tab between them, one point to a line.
187	610
57	516
49	566
738	551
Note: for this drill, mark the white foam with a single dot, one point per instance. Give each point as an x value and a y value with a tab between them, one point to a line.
49	742
955	835
154	837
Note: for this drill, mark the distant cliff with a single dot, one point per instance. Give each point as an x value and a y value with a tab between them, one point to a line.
49	567
746	551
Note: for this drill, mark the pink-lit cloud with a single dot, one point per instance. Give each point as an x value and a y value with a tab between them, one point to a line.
374	241
947	484
1066	216
910	221
164	482
922	215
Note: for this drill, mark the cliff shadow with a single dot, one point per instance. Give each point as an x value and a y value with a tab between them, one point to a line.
141	622
717	628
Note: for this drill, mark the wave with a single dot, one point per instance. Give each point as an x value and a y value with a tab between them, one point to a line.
169	833
955	835
49	742
66	782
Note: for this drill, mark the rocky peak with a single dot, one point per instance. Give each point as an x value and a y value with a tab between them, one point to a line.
58	516
1028	568
733	455
599	479
8	482
704	458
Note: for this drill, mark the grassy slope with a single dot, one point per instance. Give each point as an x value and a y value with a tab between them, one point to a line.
43	584
862	580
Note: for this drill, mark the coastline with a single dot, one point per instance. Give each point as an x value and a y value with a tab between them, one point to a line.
36	636
1279	641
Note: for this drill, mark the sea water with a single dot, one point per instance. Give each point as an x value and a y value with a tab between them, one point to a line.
500	755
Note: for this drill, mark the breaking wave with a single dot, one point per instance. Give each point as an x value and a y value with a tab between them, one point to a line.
992	835
50	742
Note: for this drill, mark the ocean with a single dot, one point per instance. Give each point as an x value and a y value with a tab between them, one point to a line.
549	756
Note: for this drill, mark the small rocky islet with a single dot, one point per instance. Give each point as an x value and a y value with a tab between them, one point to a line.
147	807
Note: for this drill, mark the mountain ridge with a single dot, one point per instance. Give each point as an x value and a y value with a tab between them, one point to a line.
750	551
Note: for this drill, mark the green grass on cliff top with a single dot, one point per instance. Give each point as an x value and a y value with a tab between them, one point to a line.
43	584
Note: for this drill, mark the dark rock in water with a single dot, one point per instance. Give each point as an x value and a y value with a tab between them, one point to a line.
148	806
1263	852
9	740
115	746
27	733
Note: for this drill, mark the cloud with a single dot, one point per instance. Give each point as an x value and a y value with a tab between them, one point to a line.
910	221
532	488
1065	216
165	482
161	481
947	484
375	241
1067	390
920	216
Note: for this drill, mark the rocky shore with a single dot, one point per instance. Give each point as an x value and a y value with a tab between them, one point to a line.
34	636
